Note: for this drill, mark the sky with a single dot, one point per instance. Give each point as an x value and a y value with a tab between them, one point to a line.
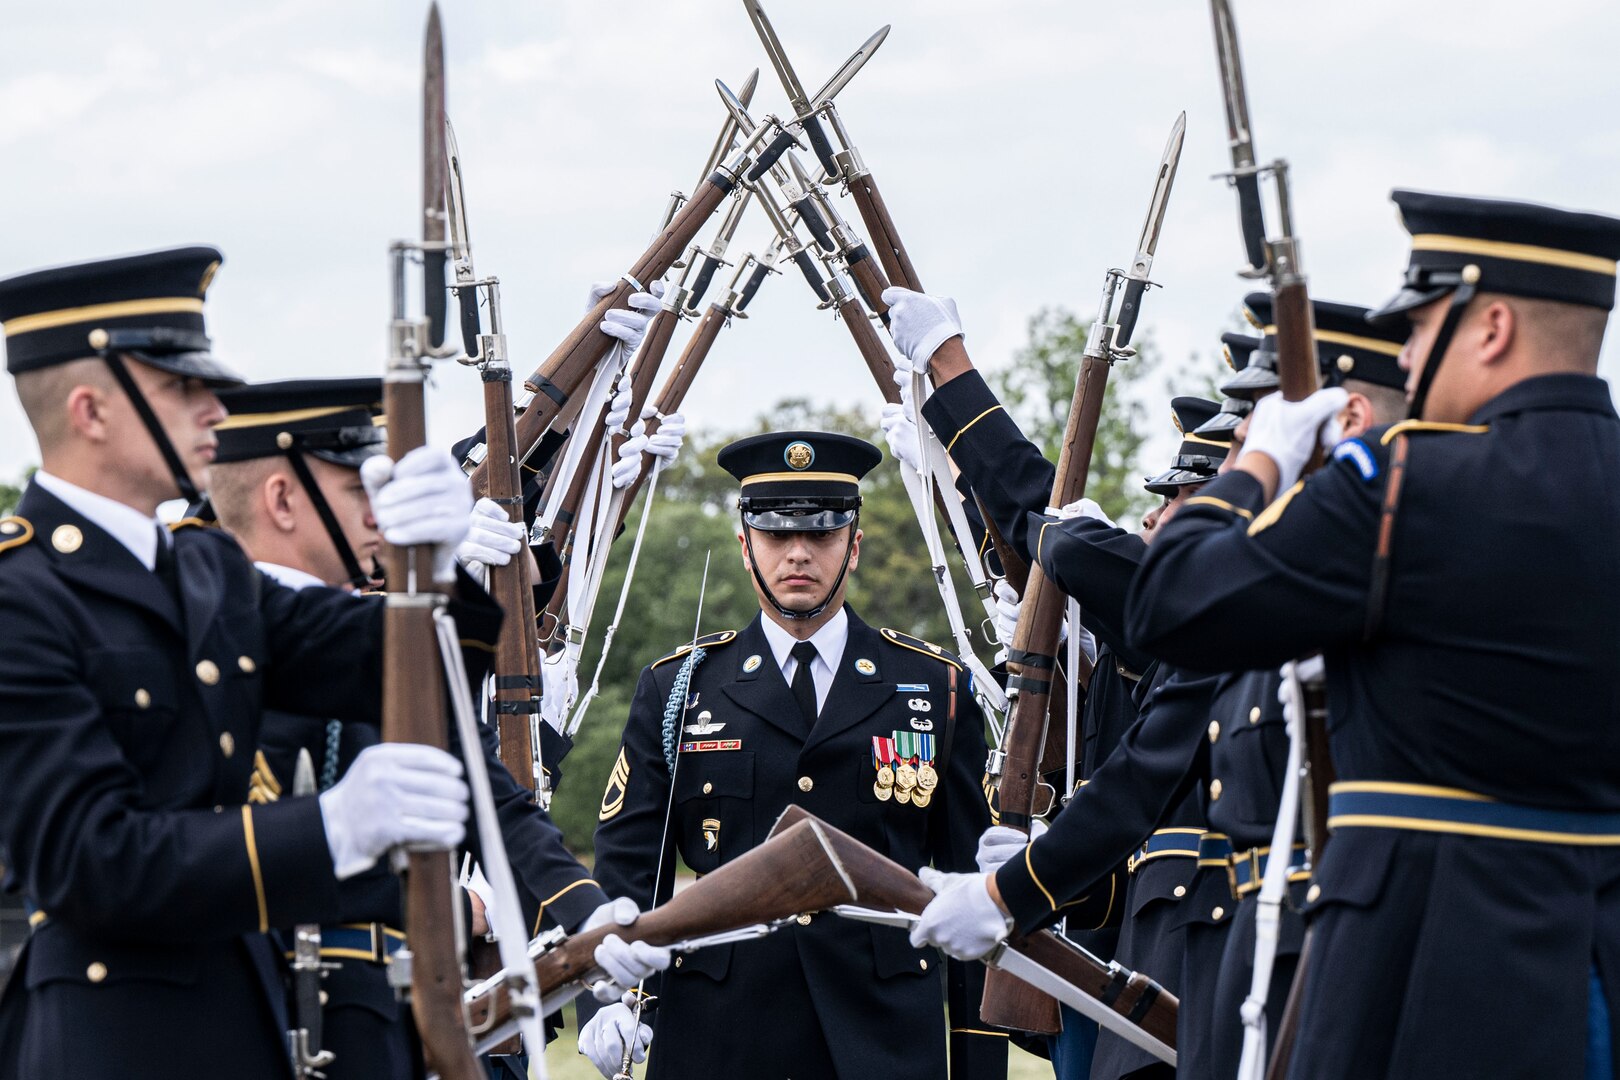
1015	144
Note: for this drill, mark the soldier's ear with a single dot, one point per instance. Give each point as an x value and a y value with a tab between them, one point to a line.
277	495
742	542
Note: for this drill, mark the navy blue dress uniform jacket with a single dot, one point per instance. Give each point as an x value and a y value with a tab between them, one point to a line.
126	746
1494	669
830	997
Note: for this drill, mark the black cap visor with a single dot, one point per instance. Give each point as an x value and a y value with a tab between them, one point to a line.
1249	382
798	519
203	366
1171	481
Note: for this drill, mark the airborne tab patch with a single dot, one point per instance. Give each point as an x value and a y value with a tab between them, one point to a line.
1358	454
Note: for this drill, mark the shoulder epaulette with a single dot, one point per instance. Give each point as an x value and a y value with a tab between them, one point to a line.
14	533
1415	426
708	641
916	644
192	523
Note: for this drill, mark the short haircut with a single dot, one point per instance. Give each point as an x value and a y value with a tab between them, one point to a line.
1562	336
1388	402
44	393
233	486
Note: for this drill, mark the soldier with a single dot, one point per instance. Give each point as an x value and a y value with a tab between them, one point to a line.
872	730
287	484
131	689
1466	913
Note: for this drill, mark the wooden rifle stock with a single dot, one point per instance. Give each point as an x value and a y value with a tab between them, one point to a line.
794	872
414	711
883	884
648	359
1032	668
570	364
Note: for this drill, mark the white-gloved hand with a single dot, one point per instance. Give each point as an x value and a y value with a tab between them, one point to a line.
626	962
961	920
1309	670
424	498
1008	605
394	793
618	411
919	324
559	689
629	325
604	1037
1087	509
900	432
492	537
628	467
1288	431
666	442
1001	842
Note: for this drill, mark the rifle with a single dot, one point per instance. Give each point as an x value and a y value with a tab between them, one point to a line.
1016	765
413	678
1278	260
555	381
307	969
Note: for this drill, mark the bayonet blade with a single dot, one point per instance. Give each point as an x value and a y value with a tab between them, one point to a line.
849	68
433	173
1136	280
728	132
779	60
456	197
1239	137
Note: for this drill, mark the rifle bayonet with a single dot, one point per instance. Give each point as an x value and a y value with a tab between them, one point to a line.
433	196
804	116
307	969
1244	175
847	71
1136	279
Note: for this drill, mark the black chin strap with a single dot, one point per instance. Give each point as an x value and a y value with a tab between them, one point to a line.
1466	289
182	478
351	565
788	613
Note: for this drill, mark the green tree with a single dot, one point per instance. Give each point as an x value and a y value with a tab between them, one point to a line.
10	494
1037	389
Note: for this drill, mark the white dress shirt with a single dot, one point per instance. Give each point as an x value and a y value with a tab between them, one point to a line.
829	642
135	530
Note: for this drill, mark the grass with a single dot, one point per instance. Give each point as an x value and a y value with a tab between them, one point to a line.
565	1064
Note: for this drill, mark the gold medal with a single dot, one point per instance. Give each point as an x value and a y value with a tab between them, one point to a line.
902	795
905	777
921	799
883	793
885	777
927	778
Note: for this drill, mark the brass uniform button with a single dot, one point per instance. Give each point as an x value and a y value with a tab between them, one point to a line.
805	783
99	338
10	528
227	744
923	964
284	440
1180	890
1254	715
324	998
1214	730
678	960
1218	913
707	787
96	972
1346	363
246	664
1312	894
804	920
207	672
143	699
67	539
1215	790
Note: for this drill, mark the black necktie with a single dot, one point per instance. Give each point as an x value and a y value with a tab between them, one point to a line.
804	685
164	566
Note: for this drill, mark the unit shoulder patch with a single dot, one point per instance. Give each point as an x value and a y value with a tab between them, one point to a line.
708	641
918	645
14	533
1360	456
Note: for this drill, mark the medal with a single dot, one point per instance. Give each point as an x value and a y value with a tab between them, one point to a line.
921	799
927	778
905	778
885	777
902	795
884	793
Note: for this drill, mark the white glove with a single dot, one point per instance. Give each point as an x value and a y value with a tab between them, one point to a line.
423	499
1087	509
919	324
629	325
1008	605
1001	842
1288	431
394	793
618	412
961	920
1309	670
604	1038
626	962
900	431
628	467
492	537
559	689
666	442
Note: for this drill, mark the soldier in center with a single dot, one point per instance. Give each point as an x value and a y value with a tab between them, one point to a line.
873	731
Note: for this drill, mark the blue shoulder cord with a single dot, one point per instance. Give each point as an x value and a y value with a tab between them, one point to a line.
676	705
